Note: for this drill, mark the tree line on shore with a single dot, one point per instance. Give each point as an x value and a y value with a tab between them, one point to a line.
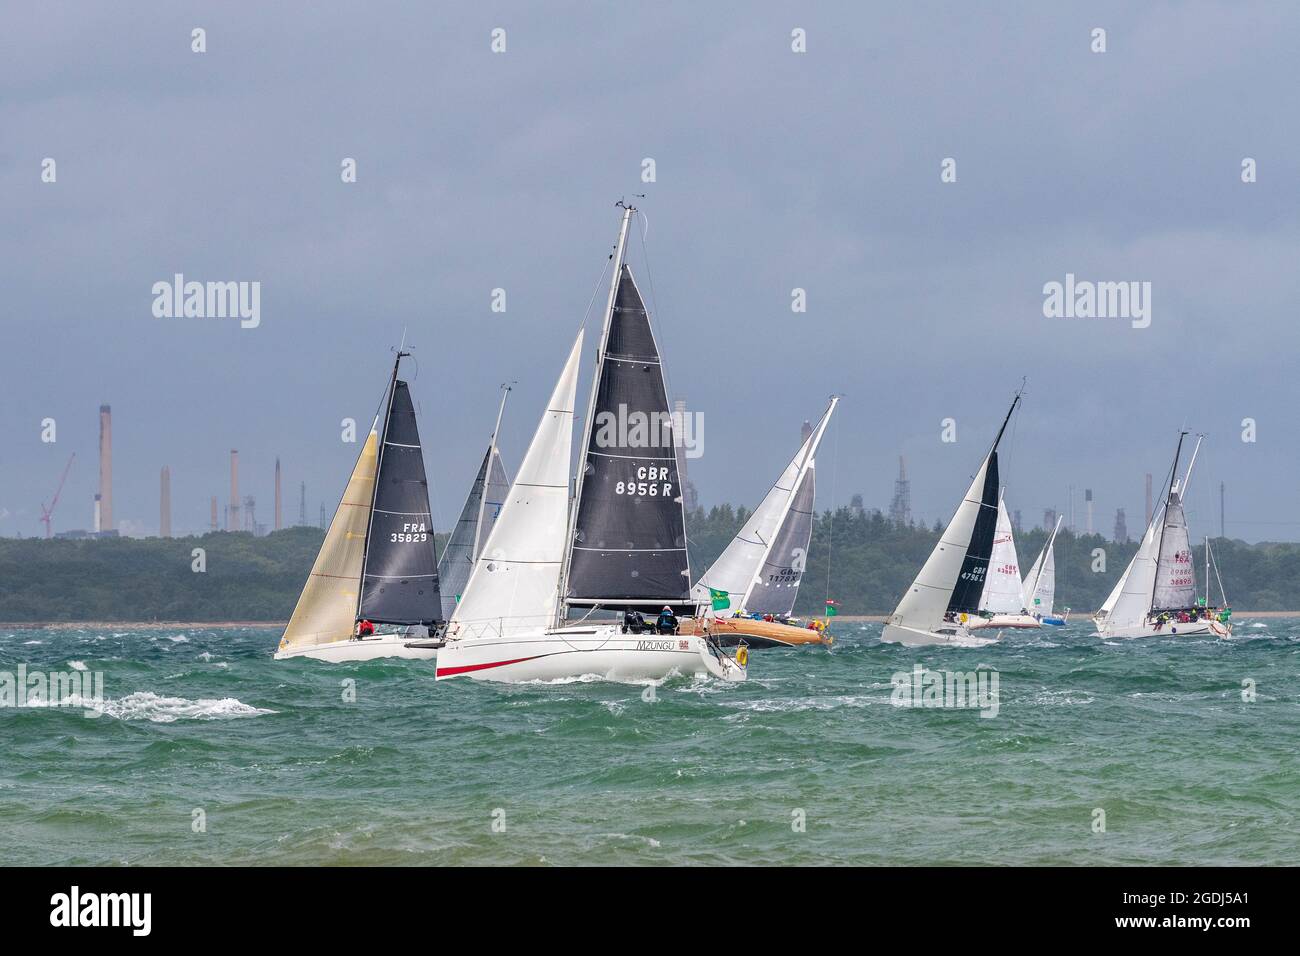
858	558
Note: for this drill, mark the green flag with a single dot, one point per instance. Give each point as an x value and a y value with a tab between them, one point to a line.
832	608
721	600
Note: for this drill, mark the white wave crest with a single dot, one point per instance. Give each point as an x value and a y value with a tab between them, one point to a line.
146	705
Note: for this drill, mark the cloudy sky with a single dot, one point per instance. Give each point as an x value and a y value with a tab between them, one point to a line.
774	170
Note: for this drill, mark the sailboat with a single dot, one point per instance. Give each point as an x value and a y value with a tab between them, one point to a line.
760	570
1156	594
378	561
620	546
486	496
1040	583
946	594
1003	602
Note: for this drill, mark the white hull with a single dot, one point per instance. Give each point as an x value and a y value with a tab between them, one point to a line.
950	635
1171	629
367	649
1000	621
602	651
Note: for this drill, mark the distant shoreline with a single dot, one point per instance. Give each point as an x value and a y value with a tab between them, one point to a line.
164	625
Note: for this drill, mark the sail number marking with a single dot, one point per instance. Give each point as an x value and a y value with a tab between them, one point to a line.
651	482
413	532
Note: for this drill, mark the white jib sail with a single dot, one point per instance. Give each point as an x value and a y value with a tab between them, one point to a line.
926	601
1003	592
1129	602
1040	583
736	568
516	577
327	608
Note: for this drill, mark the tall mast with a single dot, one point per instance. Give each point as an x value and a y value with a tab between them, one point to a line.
492	453
379	462
1187	475
620	253
1207	571
1014	402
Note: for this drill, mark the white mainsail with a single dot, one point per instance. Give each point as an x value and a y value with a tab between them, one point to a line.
515	581
926	601
1040	583
1003	592
736	570
1129	602
1175	578
326	609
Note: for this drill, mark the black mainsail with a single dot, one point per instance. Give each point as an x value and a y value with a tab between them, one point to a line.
974	567
628	547
969	589
399	580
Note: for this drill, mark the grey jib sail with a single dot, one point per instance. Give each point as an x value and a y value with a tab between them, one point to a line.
974	567
458	556
1175	583
629	534
778	579
400	582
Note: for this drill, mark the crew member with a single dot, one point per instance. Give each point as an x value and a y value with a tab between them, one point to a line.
365	628
667	621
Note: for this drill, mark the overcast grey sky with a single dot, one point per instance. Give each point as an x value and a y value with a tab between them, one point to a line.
774	170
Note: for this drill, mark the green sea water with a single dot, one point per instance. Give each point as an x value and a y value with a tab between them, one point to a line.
810	762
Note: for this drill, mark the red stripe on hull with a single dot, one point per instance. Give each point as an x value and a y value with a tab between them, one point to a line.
452	671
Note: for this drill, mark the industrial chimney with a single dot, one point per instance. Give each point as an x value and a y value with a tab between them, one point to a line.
105	522
214	512
1087	497
232	516
165	504
278	525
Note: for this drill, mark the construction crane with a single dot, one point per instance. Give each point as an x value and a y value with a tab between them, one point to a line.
48	513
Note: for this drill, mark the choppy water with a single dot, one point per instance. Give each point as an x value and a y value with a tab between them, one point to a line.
1153	732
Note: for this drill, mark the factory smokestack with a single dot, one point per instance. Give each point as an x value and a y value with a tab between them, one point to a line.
105	522
232	516
98	513
1087	497
278	525
214	512
165	503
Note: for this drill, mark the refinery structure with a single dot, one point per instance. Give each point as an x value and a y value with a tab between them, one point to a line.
239	515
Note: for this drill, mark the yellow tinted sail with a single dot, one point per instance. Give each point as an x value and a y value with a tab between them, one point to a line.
327	607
